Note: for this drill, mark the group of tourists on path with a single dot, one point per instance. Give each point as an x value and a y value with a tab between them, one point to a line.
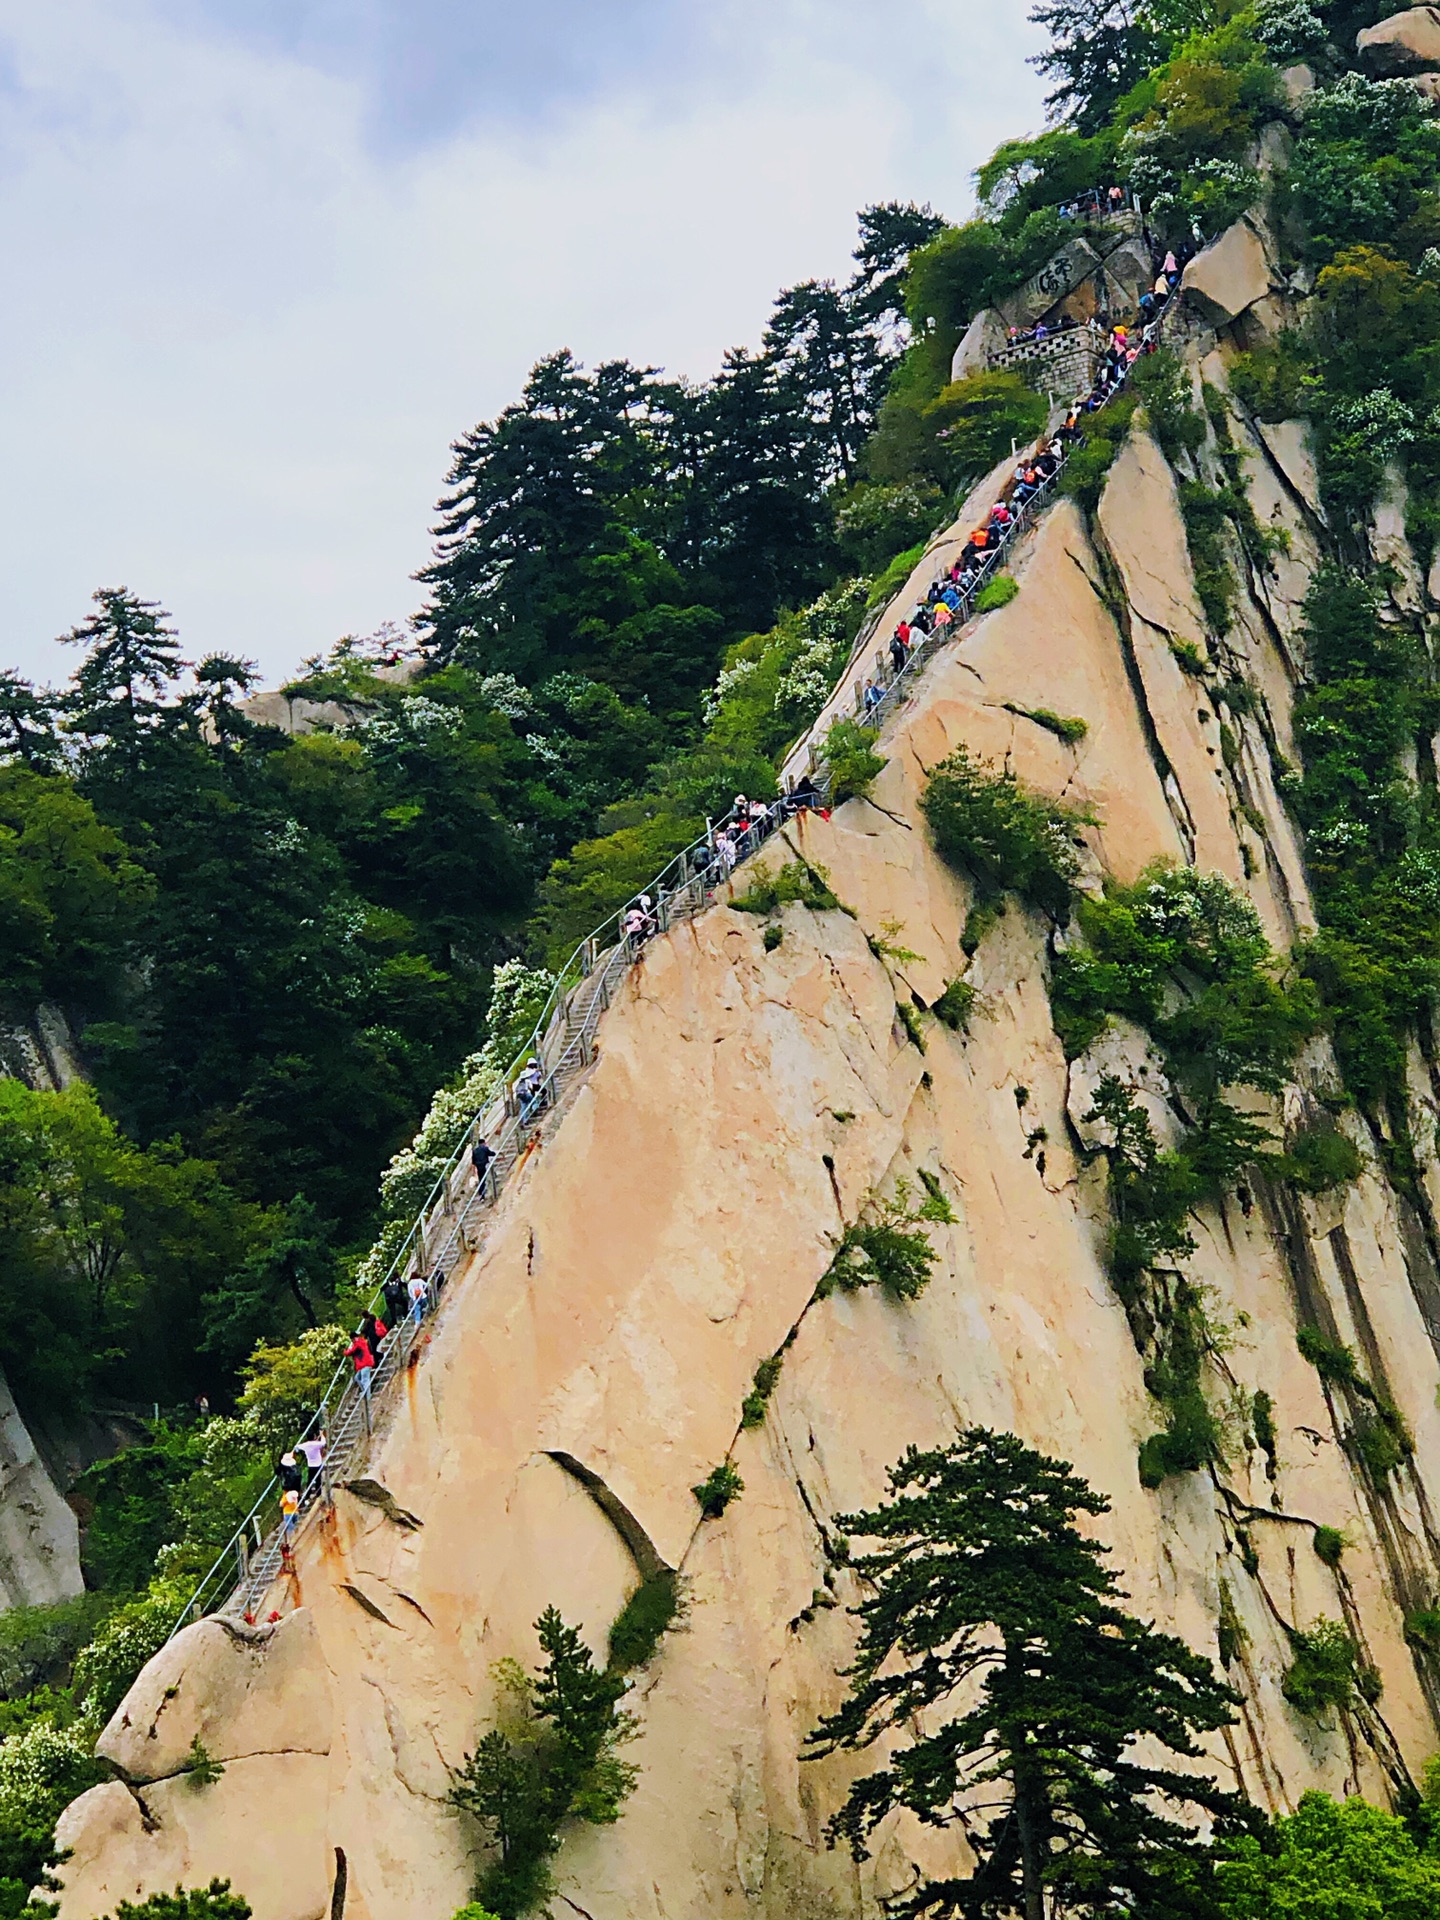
947	599
405	1304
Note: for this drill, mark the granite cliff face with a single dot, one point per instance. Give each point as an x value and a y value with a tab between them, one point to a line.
668	1233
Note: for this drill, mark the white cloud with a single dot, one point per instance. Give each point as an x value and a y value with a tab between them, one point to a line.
239	332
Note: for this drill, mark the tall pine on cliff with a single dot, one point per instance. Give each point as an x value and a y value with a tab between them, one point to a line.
1029	1707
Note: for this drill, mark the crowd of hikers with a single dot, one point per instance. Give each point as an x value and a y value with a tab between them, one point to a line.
301	1472
949	596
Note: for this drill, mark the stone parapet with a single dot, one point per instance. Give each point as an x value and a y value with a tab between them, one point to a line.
1064	364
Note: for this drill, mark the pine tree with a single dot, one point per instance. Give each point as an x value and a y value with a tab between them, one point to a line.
889	234
131	659
552	1758
993	1645
830	352
27	723
1099	50
759	527
221	681
531	497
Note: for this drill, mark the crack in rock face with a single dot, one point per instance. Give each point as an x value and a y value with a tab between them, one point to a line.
373	1494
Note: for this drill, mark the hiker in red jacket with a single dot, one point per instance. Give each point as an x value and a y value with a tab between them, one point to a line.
361	1352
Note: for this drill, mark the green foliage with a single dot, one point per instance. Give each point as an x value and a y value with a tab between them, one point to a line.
772	686
42	1769
106	1667
892	1250
215	1902
888	583
1373	869
993	1654
1027	175
948	280
646	1617
1184	955
908	1014
284	1385
38	1644
1319	1159
1161	380
1330	1858
886	945
111	1249
1382	1439
972	424
1087	466
1099	55
1191	123
1071	731
553	1756
1364	166
1002	836
1263	1418
1203	509
767	1378
1230	1633
1327	1671
1379	1433
1329	1544
797	883
1333	1361
1274	380
134	1511
72	896
719	1487
956	1006
1191	1437
772	937
597	877
997	592
1238	1023
851	760
201	1768
878	527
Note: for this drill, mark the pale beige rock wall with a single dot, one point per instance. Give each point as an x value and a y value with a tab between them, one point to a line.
669	1234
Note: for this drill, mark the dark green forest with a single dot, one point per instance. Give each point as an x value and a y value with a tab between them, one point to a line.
272	951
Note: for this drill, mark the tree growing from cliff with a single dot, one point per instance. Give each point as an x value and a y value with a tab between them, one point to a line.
552	1757
993	1646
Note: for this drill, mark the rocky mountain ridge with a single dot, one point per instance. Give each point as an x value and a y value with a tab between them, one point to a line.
669	1233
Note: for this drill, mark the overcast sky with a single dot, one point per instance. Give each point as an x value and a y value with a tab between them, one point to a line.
265	259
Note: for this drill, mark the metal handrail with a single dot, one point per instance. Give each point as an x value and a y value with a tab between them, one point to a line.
562	1041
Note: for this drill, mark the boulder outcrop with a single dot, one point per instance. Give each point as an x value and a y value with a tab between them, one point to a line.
1076	261
1229	276
39	1534
668	1234
984	336
1402	43
40	1051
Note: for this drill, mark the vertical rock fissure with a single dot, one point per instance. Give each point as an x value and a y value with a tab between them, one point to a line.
1111	594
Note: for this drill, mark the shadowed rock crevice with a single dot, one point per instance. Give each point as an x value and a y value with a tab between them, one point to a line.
643	1551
